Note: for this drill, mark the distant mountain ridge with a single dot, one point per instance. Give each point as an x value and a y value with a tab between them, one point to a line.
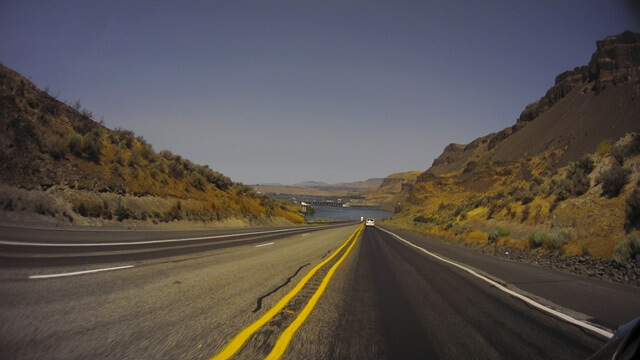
310	183
366	184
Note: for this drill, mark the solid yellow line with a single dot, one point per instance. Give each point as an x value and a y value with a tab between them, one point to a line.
236	343
285	338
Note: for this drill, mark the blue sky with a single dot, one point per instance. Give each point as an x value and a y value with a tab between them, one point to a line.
286	91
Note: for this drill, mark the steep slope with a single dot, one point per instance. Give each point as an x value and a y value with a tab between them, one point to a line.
392	189
586	105
75	168
533	177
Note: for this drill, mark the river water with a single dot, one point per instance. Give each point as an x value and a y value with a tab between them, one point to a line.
338	212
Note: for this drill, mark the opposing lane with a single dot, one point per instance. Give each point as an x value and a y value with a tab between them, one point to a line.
182	307
37	248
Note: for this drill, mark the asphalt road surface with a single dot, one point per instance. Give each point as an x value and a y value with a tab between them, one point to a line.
342	292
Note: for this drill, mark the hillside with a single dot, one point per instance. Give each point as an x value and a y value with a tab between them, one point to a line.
562	179
392	189
59	166
355	185
317	188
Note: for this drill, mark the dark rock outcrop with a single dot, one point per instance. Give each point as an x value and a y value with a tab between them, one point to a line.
450	154
615	61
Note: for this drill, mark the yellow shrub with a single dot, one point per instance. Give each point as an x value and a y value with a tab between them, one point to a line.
479	213
573	250
604	147
476	237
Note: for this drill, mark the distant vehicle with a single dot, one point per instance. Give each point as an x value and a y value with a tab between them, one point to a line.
370	222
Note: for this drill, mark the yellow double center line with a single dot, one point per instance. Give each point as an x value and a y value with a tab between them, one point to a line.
285	338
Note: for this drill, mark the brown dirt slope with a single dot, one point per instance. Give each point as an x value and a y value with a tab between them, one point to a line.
585	106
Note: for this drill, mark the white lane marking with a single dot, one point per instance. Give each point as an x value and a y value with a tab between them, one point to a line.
267	244
8	242
79	272
604	332
305	234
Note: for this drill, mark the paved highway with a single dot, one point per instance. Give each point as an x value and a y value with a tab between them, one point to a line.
338	292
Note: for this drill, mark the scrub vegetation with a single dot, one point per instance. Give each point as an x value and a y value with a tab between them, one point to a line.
558	211
95	175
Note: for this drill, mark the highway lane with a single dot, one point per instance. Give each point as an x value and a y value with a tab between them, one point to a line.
597	301
385	299
97	235
392	302
183	306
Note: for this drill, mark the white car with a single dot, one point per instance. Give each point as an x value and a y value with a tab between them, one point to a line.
369	222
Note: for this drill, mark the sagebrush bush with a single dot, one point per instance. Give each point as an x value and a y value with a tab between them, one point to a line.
580	182
613	180
92	209
242	189
124	137
44	209
459	229
176	170
424	219
559	239
550	240
115	169
632	220
80	209
586	164
122	212
619	153
524	195
577	180
217	179
627	250
496	234
134	159
75	144
174	212
87	146
634	146
196	181
58	147
562	188
147	151
92	144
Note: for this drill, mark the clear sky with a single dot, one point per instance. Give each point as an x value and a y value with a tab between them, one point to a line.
286	91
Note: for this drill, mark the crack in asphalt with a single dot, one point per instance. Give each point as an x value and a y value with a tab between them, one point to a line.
259	301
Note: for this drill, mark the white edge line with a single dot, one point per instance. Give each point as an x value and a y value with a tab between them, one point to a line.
8	242
267	244
79	272
558	314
